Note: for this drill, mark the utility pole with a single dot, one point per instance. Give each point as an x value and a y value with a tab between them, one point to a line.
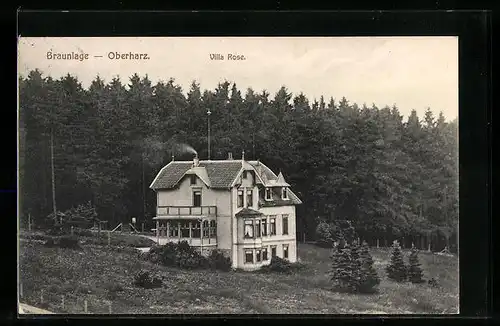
53	174
208	115
143	191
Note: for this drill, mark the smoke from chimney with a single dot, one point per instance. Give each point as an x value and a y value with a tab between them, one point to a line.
196	161
229	156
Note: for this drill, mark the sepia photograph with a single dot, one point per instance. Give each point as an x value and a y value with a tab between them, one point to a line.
238	175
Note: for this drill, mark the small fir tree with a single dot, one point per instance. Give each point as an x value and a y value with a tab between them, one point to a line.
397	269
415	273
341	271
355	266
370	278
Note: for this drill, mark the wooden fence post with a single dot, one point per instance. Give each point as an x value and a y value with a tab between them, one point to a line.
72	230
85	307
29	222
377	243
62	301
20	290
109	306
142	227
41	297
109	238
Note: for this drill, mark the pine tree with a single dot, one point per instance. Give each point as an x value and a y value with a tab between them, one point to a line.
355	266
397	269
414	271
370	278
341	271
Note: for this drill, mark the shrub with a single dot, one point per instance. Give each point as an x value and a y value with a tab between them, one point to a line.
70	242
218	261
415	273
145	280
433	283
324	235
190	258
397	269
339	230
280	265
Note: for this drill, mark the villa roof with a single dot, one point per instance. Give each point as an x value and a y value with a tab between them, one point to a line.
248	212
219	174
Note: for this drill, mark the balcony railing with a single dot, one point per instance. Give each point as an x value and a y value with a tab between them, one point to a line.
180	211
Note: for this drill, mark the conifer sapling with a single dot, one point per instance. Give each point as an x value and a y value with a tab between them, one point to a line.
397	269
415	273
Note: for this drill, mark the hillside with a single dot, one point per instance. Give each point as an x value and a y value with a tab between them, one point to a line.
100	274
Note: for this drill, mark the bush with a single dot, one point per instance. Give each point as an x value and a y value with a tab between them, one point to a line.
433	283
324	235
218	261
415	273
397	270
70	242
145	280
339	230
278	265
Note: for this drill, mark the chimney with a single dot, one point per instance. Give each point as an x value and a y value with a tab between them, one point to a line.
229	156
196	161
242	155
173	158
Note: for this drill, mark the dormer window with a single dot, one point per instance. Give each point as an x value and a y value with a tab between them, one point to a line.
244	174
268	194
193	179
284	193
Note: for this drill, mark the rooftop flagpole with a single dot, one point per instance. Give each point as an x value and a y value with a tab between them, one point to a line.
208	114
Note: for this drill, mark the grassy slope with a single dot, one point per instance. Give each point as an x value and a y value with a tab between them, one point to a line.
90	275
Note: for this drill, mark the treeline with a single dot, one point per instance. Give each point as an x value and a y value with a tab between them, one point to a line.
345	161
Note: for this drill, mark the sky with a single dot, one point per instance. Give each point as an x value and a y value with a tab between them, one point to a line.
411	72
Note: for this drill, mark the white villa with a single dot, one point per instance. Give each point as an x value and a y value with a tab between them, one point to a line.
239	207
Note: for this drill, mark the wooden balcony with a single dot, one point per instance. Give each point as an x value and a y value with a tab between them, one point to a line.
186	211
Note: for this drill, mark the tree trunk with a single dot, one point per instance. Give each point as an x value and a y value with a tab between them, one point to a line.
53	175
143	191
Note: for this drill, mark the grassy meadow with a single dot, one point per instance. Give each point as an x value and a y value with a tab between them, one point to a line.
102	276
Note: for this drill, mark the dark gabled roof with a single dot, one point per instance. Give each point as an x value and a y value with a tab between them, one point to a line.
221	173
248	212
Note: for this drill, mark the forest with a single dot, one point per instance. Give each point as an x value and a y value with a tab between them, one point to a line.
390	176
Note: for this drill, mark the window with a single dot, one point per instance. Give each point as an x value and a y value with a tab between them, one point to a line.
240	198
213	229
174	230
248	229
264	254
195	230
185	230
193	179
264	226
205	229
285	224
244	174
284	193
257	255
268	194
273	251
285	251
257	229
249	198
248	257
272	225
197	198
